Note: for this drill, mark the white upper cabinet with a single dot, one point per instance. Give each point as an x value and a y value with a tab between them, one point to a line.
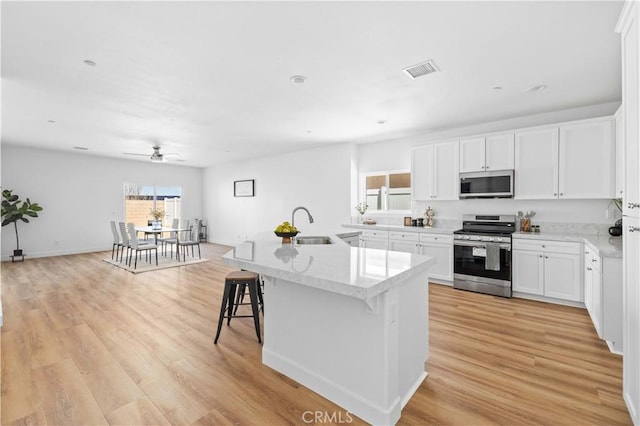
576	160
492	152
472	157
499	152
587	160
620	157
435	171
536	164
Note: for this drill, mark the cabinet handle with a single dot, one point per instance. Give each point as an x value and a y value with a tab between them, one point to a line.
546	257
634	229
589	269
486	167
543	246
586	252
562	193
555	194
621	191
540	256
594	260
633	205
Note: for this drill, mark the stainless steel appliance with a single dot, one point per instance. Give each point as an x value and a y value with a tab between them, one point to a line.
490	184
482	254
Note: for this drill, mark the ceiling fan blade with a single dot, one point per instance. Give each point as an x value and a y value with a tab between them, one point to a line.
135	153
171	154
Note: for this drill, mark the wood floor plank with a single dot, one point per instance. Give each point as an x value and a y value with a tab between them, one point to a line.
65	397
88	343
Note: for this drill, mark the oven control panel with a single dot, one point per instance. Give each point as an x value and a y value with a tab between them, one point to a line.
485	238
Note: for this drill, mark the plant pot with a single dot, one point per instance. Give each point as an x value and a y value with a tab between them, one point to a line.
17	253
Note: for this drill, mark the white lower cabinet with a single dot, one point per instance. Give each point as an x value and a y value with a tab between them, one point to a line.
548	268
374	239
440	246
603	296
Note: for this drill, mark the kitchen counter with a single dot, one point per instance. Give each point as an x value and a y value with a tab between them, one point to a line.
349	323
398	228
604	245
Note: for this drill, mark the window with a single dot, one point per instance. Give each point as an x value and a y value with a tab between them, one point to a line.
140	199
388	191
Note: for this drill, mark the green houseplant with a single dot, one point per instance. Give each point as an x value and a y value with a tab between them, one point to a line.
14	210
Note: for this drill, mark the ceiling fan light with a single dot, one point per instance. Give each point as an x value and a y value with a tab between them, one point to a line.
155	159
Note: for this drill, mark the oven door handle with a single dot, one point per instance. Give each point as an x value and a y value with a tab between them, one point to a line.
479	245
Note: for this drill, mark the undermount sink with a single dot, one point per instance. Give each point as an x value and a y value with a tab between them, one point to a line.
313	240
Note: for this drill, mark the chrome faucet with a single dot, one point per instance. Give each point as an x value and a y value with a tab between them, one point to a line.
293	214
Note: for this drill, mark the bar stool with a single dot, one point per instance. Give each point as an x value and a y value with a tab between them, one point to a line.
229	301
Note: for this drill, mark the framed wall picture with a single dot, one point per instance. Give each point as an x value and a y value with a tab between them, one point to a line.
243	188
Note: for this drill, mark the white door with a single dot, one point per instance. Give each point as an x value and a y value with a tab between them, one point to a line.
472	155
536	164
443	269
422	172
499	152
620	153
587	160
588	282
631	320
528	271
597	295
446	175
562	278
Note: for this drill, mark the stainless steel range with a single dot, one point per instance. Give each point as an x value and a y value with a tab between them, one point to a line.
482	254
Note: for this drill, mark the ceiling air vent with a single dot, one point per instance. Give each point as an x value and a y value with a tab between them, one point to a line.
423	68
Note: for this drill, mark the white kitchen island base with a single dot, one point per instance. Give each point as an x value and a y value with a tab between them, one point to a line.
349	323
367	357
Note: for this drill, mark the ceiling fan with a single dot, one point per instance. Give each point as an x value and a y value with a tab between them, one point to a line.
156	156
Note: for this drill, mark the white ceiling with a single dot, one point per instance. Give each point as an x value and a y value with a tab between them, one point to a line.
210	80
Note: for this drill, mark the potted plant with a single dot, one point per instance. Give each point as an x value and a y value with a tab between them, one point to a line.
157	213
14	210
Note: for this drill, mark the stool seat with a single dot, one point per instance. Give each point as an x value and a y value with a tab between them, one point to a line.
241	275
229	306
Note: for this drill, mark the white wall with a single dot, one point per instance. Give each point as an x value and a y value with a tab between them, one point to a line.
396	155
80	194
319	179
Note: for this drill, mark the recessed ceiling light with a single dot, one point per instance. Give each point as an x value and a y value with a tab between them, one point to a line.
308	131
81	148
297	79
89	62
497	88
382	121
538	88
51	121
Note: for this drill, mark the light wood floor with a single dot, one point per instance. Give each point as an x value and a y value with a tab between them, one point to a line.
87	343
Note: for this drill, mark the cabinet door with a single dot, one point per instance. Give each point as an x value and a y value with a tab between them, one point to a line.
587	160
536	164
405	246
446	175
443	269
562	278
374	243
631	300
588	283
499	152
422	173
597	294
620	155
528	272
472	155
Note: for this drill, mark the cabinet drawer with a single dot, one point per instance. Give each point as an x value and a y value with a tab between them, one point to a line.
404	236
436	238
375	233
547	246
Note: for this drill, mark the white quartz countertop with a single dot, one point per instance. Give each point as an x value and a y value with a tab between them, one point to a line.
352	271
398	228
605	245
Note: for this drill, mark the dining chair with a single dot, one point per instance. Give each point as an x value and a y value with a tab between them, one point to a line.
136	247
117	242
171	240
126	240
189	241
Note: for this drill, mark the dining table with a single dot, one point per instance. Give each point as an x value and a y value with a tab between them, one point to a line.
159	231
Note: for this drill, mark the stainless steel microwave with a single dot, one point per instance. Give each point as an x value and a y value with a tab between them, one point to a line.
493	184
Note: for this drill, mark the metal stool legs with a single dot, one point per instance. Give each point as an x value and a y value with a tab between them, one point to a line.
230	301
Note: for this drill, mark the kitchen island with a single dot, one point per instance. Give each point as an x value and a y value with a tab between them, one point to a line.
348	323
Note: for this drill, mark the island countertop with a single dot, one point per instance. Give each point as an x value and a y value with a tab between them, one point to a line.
351	271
